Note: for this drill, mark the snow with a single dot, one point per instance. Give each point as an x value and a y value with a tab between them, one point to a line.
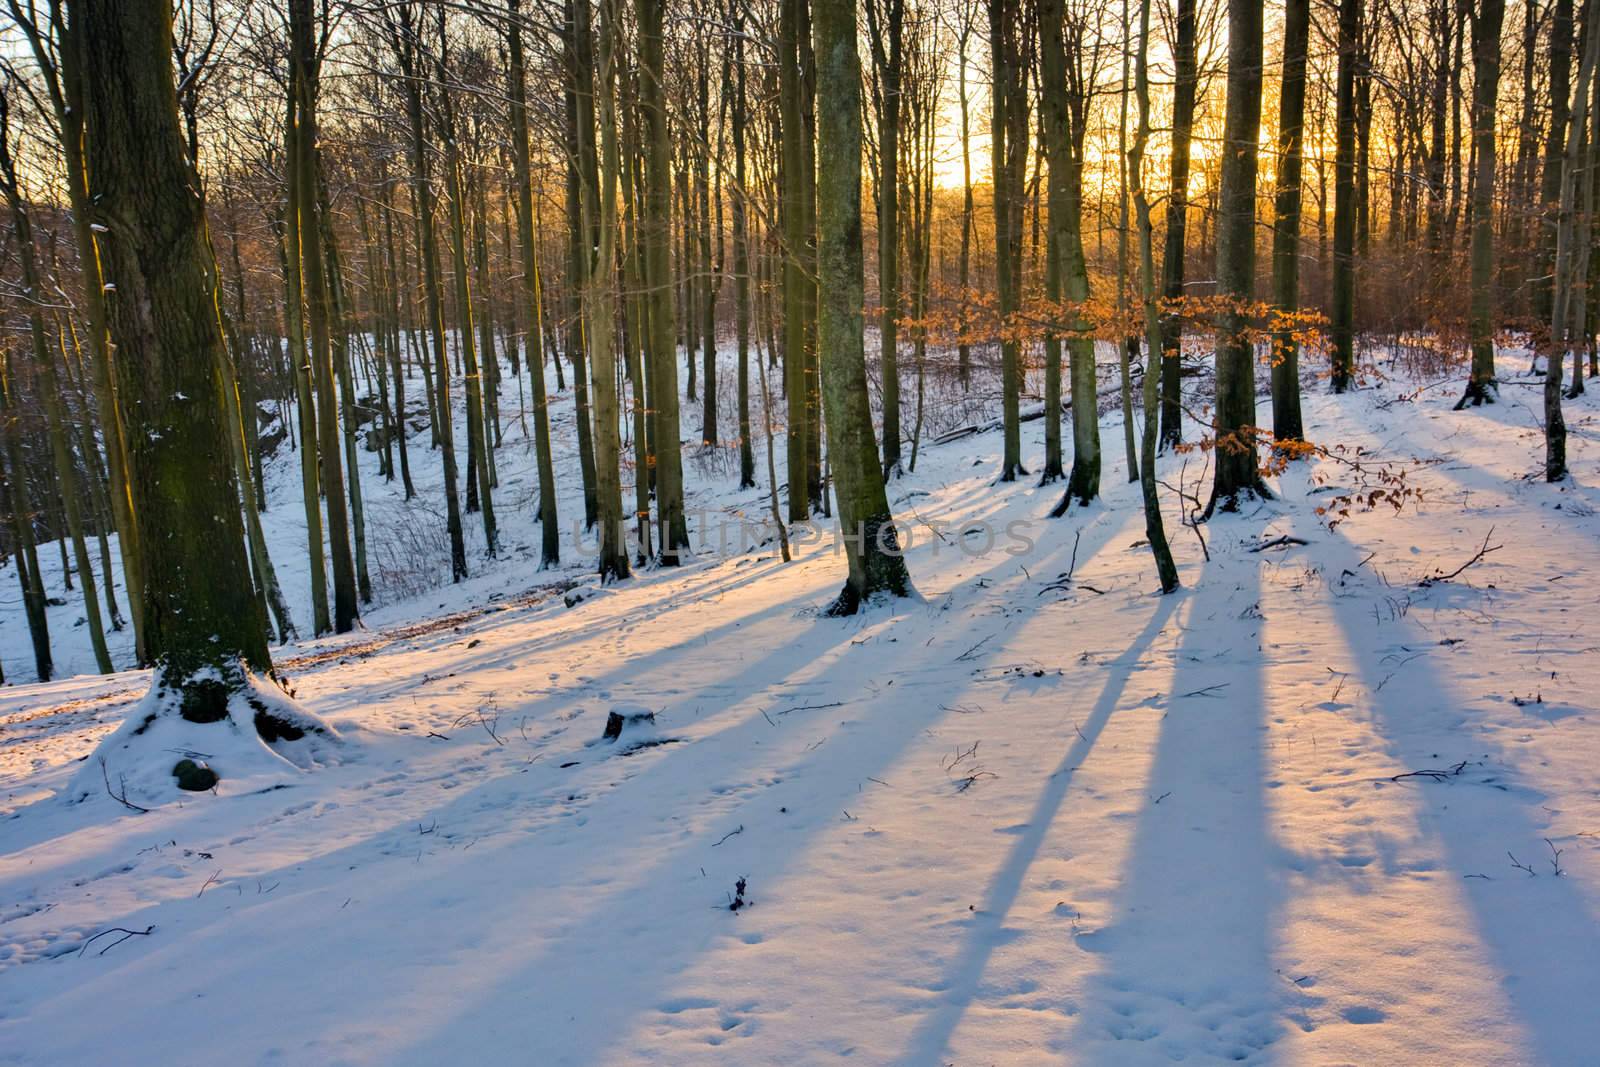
1015	819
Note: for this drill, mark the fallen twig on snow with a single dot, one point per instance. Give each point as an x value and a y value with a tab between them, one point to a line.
123	930
1483	550
123	798
1432	775
1281	541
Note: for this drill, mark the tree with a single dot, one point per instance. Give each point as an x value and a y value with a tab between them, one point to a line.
1342	331
50	388
532	294
61	70
796	189
478	461
1185	83
888	63
1286	420
205	622
1009	33
25	552
1482	386
1055	130
1236	473
656	236
1567	297
741	247
872	546
305	61
1155	530
599	303
1064	103
1560	59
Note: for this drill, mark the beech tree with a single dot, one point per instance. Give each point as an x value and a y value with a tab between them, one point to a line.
872	546
205	623
1236	472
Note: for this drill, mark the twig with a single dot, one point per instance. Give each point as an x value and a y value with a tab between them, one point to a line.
1437	776
729	834
123	799
1282	541
968	653
812	707
1065	579
1209	690
123	930
1483	550
210	881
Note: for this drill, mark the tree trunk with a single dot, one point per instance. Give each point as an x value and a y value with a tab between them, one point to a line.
1154	528
741	250
657	228
313	274
1065	103
1554	157
1567	300
49	384
1236	473
1008	139
889	63
1482	386
532	316
964	270
1286	421
65	88
305	399
1342	313
19	505
599	300
466	343
872	549
582	172
204	620
796	382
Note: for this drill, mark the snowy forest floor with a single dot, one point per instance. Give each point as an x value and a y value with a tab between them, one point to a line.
1307	810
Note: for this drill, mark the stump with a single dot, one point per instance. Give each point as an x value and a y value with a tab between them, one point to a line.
617	721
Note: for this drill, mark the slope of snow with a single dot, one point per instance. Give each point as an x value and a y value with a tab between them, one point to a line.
1017	819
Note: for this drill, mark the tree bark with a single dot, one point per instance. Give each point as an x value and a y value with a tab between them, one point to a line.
1342	312
673	530
872	548
532	316
313	274
1286	421
1236	472
204	621
1482	386
1154	528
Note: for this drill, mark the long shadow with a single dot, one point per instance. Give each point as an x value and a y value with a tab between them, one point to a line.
1541	932
1187	956
962	977
482	972
607	1001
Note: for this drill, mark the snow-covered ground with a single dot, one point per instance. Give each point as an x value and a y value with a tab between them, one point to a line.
1014	820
